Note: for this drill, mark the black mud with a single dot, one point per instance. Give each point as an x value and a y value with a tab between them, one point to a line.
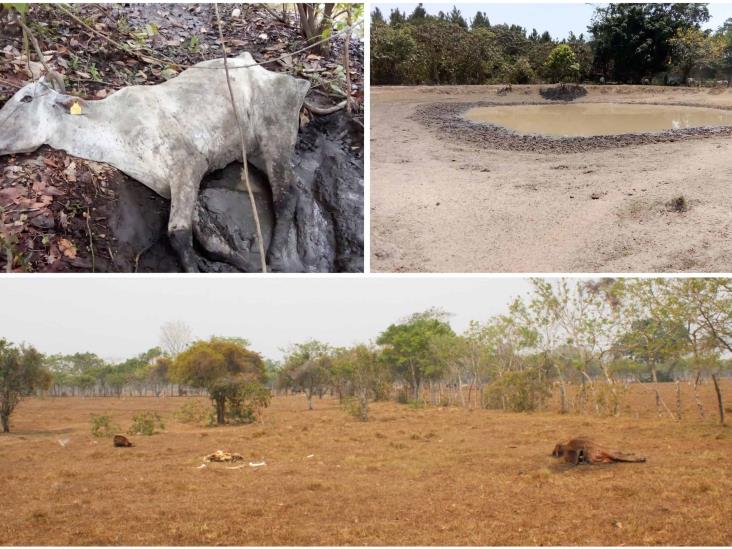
447	119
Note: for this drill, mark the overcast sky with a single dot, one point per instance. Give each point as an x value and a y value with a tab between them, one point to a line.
557	18
121	317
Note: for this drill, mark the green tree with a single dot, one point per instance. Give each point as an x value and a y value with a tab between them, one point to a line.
397	18
562	63
21	373
407	347
693	49
222	367
633	41
480	21
457	18
361	368
308	366
418	15
377	18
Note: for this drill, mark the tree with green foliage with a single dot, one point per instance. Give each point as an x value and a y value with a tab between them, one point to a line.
407	347
21	374
223	367
365	375
392	55
418	15
634	41
694	49
397	18
457	18
308	367
480	21
562	64
377	18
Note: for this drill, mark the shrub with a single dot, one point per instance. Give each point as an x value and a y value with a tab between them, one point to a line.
522	391
356	407
193	412
146	423
101	426
247	403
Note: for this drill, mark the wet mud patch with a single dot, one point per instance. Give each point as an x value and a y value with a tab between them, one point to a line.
563	93
447	119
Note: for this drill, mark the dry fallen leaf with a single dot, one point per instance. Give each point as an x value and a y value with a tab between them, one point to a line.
75	108
67	248
70	173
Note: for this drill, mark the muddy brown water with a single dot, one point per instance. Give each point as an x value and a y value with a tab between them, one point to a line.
590	119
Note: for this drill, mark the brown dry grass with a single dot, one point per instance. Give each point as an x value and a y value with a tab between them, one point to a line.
434	476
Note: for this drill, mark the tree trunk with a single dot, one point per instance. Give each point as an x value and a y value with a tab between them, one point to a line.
720	402
460	390
699	404
678	400
220	408
562	397
5	418
309	395
363	402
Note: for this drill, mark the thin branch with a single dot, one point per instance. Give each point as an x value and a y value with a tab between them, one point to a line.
33	40
245	169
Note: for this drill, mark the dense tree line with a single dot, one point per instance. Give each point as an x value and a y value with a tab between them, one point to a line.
628	43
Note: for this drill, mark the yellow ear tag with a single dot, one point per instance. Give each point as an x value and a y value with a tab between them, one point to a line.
75	108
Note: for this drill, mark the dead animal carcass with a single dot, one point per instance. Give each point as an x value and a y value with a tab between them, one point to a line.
168	136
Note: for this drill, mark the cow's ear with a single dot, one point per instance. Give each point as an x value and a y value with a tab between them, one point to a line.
54	81
65	102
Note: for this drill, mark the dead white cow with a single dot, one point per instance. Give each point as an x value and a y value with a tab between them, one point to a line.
170	135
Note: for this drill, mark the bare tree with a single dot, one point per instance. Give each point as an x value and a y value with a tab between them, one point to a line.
175	336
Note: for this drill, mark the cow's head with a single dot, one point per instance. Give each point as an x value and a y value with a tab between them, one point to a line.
29	118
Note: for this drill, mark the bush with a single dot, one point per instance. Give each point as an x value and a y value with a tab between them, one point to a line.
146	423
193	412
247	404
523	391
101	426
356	408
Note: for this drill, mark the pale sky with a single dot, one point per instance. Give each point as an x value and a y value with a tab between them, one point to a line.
557	18
121	317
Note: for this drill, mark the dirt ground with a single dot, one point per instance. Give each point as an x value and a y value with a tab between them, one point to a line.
441	204
431	476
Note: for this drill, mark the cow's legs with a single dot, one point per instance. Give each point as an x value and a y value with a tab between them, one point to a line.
182	202
282	254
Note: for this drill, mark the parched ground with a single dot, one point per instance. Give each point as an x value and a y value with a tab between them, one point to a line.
441	204
432	476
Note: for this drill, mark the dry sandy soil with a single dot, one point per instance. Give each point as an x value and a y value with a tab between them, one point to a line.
432	476
439	204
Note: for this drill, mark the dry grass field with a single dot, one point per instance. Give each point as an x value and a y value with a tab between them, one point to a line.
432	476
